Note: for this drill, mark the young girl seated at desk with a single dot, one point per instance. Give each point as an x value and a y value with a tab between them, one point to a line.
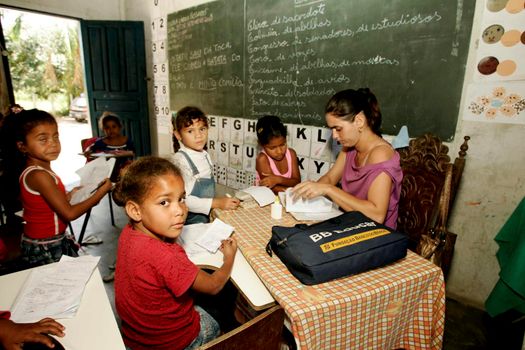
154	275
190	130
47	210
114	142
276	166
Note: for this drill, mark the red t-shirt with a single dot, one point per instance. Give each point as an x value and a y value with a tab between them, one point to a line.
41	220
152	283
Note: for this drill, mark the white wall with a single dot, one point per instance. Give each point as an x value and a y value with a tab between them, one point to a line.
493	180
493	184
84	9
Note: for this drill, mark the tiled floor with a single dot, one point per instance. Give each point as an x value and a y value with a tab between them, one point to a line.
465	327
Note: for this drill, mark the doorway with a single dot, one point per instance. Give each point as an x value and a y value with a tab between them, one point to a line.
47	73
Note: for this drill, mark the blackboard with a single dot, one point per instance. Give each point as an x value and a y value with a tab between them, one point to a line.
288	57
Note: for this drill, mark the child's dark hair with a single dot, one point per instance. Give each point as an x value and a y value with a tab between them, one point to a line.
27	119
109	116
139	177
184	118
268	127
15	127
347	104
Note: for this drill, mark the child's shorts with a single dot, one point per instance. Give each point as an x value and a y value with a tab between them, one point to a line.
48	250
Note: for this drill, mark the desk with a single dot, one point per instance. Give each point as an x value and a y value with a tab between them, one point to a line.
401	305
93	327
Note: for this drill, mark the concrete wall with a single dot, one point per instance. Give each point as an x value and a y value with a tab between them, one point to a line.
493	181
92	9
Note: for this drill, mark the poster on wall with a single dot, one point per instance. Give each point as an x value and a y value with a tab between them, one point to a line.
501	50
497	102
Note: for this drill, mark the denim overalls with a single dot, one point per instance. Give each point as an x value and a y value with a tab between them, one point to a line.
203	188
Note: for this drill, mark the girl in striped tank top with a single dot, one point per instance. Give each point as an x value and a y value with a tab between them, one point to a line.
47	210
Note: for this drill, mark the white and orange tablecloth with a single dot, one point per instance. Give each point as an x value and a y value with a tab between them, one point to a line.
401	305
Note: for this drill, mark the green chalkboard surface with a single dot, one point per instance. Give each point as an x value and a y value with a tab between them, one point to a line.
288	57
205	49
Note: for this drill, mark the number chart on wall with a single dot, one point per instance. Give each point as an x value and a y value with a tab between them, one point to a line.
247	58
159	54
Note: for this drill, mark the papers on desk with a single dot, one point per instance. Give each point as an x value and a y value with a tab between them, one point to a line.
316	209
195	238
262	194
54	291
301	205
91	175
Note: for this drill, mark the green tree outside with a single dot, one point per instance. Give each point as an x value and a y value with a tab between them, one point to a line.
45	64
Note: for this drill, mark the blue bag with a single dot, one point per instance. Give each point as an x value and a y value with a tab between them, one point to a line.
347	244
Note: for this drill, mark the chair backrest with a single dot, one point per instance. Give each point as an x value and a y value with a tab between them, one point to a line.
85	144
424	163
262	332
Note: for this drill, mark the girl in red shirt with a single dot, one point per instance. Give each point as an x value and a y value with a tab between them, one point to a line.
154	277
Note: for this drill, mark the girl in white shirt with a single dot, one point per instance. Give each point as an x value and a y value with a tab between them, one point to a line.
190	131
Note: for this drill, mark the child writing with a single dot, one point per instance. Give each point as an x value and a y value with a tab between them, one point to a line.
190	130
154	275
276	166
113	142
47	210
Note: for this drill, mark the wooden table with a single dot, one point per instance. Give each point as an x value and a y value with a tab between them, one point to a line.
401	305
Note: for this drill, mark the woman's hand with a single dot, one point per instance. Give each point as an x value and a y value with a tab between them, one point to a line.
13	335
310	189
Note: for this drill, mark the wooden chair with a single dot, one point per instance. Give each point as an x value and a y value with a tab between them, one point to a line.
262	332
424	163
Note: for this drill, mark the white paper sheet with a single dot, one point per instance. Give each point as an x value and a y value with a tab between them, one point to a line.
214	235
55	290
300	205
189	235
314	216
262	194
91	175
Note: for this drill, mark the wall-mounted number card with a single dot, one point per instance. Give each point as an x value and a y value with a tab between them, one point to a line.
158	51
160	70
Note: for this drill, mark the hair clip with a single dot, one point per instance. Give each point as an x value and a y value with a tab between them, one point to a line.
260	130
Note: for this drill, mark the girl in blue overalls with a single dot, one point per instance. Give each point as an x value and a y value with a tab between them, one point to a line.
190	131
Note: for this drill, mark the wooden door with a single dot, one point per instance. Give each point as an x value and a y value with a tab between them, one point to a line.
115	64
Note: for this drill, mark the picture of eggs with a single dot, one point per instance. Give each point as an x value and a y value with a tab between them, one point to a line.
488	65
493	33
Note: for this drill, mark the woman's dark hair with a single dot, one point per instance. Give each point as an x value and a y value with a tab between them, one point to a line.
108	116
139	178
268	127
347	104
184	118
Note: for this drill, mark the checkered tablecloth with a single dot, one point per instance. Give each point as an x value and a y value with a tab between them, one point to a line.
401	305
